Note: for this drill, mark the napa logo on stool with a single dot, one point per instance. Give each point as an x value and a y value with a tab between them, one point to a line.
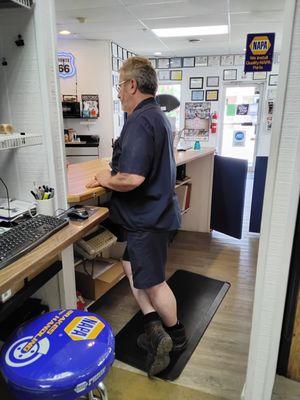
84	328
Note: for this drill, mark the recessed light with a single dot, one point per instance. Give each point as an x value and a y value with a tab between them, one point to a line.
192	31
244	49
65	32
157	53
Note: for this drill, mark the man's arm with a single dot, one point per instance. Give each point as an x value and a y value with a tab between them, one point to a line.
121	182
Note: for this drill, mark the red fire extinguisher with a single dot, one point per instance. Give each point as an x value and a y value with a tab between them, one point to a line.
214	122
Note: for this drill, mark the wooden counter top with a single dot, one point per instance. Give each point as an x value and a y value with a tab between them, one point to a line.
46	253
80	174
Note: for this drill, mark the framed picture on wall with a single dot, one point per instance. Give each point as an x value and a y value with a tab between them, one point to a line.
196	82
273	80
175	62
90	105
120	52
163	63
201	61
227	60
124	54
69	98
114	62
188	62
120	62
212	81
257	76
176	75
239	59
213	61
153	62
163	75
197	95
229	75
114	49
212	95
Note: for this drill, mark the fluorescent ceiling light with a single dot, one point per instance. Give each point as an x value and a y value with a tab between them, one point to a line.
192	31
64	32
157	53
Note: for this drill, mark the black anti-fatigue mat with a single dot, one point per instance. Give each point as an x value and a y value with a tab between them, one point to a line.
198	298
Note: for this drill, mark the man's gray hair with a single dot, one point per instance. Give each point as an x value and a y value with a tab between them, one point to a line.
140	69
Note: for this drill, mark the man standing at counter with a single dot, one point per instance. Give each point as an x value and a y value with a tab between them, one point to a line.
145	205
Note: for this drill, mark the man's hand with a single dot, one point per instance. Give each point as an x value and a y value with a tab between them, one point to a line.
101	179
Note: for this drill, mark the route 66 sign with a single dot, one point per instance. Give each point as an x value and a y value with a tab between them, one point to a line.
66	65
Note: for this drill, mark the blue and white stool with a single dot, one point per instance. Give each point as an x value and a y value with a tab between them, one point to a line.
61	355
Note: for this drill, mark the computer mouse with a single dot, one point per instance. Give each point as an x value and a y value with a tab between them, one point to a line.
79	213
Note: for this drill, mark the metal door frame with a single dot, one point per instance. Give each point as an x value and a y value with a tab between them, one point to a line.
261	86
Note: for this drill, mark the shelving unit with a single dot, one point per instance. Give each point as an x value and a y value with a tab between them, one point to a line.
16	140
183	182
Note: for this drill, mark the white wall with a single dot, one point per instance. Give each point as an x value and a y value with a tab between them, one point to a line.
21	105
218	106
94	76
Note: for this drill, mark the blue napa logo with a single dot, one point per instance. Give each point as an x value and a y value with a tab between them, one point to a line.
66	64
239	136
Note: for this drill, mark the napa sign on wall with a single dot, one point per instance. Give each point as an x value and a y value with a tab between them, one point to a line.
259	52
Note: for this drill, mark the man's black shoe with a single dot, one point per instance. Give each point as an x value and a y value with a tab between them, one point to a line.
159	345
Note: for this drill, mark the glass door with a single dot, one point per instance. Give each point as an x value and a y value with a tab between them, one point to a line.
241	122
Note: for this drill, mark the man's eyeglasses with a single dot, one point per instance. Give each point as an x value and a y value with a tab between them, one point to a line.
118	86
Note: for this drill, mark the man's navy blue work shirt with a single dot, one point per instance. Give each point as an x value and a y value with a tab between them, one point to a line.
145	147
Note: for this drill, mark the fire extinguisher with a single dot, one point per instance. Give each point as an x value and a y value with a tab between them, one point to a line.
214	122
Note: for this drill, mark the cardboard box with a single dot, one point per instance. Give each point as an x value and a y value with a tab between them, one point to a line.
93	288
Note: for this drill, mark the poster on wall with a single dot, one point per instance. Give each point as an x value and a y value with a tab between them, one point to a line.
270	115
66	64
197	116
259	52
239	138
242	109
90	105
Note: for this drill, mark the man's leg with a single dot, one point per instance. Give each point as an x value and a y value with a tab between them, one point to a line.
140	295
164	302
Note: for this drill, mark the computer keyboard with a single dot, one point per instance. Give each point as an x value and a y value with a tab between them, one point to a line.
22	238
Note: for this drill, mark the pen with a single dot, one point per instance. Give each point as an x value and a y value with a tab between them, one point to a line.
33	194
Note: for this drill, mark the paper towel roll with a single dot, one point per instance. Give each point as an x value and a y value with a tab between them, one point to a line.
6	128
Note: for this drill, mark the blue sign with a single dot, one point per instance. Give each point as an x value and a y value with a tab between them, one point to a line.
66	65
259	52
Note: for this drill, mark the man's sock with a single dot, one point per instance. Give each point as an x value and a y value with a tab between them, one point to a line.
152	316
172	328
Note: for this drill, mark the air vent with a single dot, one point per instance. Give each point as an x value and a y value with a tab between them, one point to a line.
15	3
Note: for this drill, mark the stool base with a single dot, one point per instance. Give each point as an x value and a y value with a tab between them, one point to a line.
102	393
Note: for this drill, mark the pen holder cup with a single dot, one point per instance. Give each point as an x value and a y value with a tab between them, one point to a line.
45	207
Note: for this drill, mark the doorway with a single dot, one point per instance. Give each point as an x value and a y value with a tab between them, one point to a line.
241	120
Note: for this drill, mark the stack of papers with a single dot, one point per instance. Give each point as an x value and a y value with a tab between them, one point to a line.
16	208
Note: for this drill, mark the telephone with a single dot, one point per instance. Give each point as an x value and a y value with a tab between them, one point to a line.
91	245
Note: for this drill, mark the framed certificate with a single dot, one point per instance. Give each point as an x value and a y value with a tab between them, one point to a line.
196	82
227	60
257	76
120	52
176	75
213	61
197	95
229	75
153	62
212	81
124	54
175	62
212	95
163	75
239	59
163	63
114	61
114	49
273	80
201	61
188	62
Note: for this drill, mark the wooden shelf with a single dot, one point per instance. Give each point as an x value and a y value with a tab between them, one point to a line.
185	181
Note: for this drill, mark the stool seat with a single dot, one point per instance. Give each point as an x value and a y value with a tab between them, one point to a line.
60	355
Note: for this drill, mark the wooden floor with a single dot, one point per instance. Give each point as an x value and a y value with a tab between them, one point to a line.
218	365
